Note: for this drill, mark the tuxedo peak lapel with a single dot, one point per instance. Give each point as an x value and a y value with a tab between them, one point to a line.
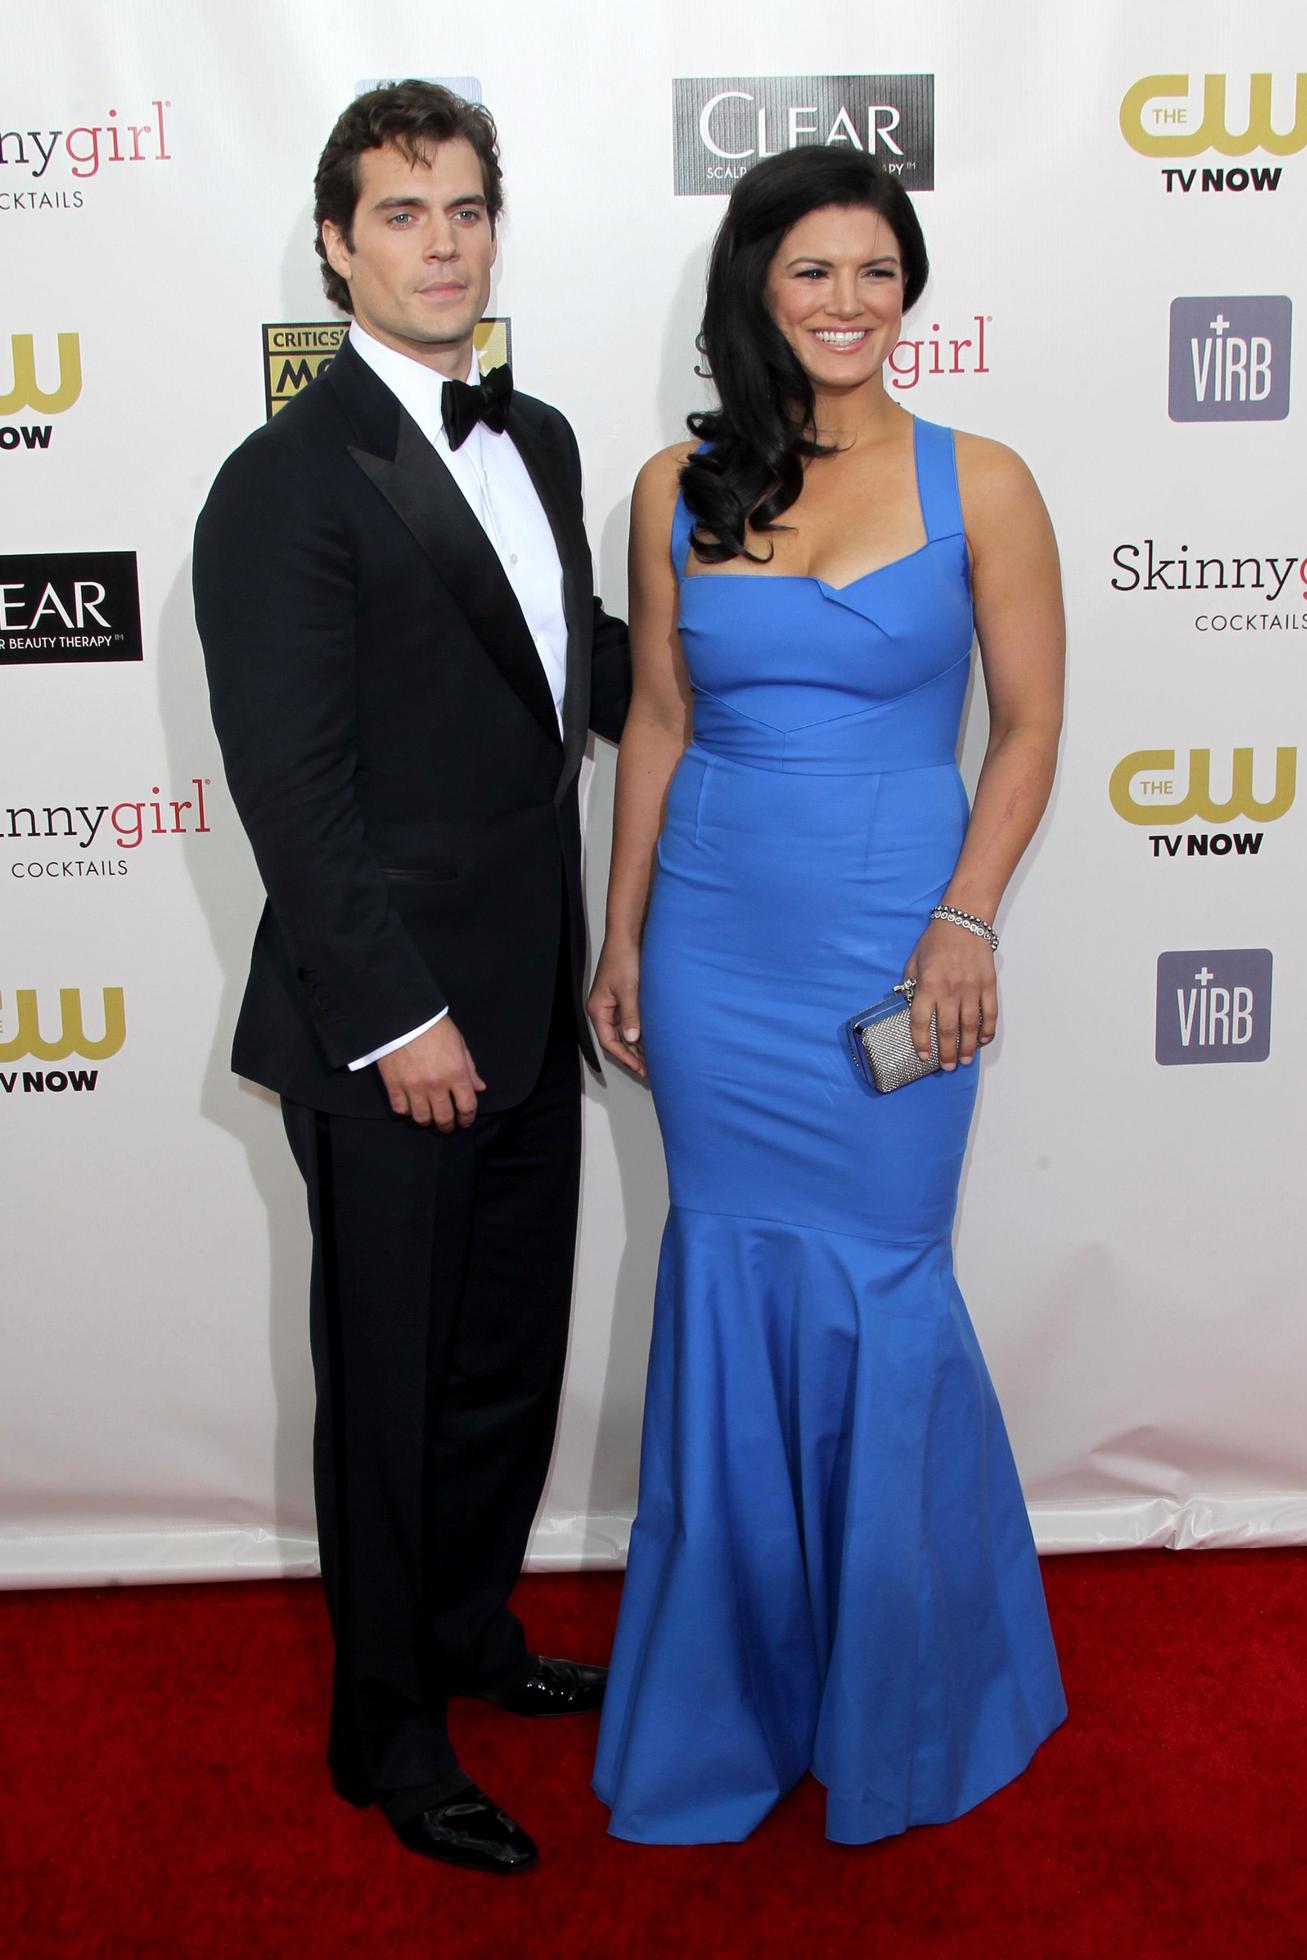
426	499
369	407
547	470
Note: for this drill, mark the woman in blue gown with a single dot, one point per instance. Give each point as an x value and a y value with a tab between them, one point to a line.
832	1567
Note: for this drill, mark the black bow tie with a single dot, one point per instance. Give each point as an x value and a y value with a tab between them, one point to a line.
462	406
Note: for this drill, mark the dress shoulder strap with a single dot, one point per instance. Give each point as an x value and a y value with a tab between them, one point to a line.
937	480
682	525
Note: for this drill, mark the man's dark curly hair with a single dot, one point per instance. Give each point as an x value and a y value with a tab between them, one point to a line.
414	116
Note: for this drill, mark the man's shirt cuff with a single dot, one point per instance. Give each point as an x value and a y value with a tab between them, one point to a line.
403	1041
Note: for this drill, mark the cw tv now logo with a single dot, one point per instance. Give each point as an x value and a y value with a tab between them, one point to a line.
1214	1006
1146	788
1230	358
1161	117
28	1034
29	388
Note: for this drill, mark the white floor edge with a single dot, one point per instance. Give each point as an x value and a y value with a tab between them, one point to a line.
172	1557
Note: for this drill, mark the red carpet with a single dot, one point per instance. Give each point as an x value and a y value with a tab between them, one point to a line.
164	1795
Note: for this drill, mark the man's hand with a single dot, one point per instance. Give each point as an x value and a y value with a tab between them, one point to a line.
433	1078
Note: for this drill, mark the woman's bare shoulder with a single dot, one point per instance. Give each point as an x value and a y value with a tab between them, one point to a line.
988	464
661	475
1000	498
658	485
995	486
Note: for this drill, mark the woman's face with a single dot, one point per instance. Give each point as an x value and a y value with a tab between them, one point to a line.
835	290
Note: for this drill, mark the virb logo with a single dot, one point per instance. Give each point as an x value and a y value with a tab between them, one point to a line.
26	390
26	1035
1230	358
1214	1006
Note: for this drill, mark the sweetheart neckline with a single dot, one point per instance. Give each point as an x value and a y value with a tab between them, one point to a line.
808	578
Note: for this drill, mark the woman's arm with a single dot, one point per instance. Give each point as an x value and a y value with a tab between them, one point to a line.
1017	592
658	727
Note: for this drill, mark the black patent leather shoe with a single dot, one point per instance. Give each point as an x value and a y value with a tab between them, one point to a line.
552	1688
468	1829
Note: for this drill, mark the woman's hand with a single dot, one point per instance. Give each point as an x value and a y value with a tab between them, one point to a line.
954	972
614	1005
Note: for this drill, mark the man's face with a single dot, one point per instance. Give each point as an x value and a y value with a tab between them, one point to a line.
419	269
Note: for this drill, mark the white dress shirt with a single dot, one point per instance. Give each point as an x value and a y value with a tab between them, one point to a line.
493	478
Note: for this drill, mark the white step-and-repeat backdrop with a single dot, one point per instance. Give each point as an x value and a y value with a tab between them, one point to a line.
1114	199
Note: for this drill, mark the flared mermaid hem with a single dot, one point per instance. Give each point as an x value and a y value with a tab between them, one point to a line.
831	1567
847	1820
846	1817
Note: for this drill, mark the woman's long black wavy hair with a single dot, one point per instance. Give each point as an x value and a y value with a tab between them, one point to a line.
762	434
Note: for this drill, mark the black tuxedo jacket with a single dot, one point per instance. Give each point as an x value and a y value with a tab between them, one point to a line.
391	743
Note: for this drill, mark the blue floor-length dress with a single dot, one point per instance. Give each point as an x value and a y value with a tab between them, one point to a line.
832	1566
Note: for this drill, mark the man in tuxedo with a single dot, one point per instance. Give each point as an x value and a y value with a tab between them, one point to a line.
395	597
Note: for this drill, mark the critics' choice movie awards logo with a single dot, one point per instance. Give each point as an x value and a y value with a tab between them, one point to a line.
37	385
1250	592
87	831
1154	787
294	352
1180	116
69	606
33	1032
1230	358
47	169
723	123
1214	1006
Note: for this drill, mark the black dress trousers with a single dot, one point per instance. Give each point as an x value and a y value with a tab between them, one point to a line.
439	1307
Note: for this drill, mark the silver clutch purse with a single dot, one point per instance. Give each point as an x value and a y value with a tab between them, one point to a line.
880	1042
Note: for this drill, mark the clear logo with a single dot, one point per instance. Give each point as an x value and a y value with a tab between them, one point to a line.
722	124
69	607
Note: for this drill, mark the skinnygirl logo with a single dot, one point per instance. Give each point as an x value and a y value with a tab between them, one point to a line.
125	825
939	353
1150	567
87	148
1253	592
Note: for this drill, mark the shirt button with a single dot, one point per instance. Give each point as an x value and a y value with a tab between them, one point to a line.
512	558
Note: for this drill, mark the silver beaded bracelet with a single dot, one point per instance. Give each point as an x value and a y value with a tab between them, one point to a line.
969	923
